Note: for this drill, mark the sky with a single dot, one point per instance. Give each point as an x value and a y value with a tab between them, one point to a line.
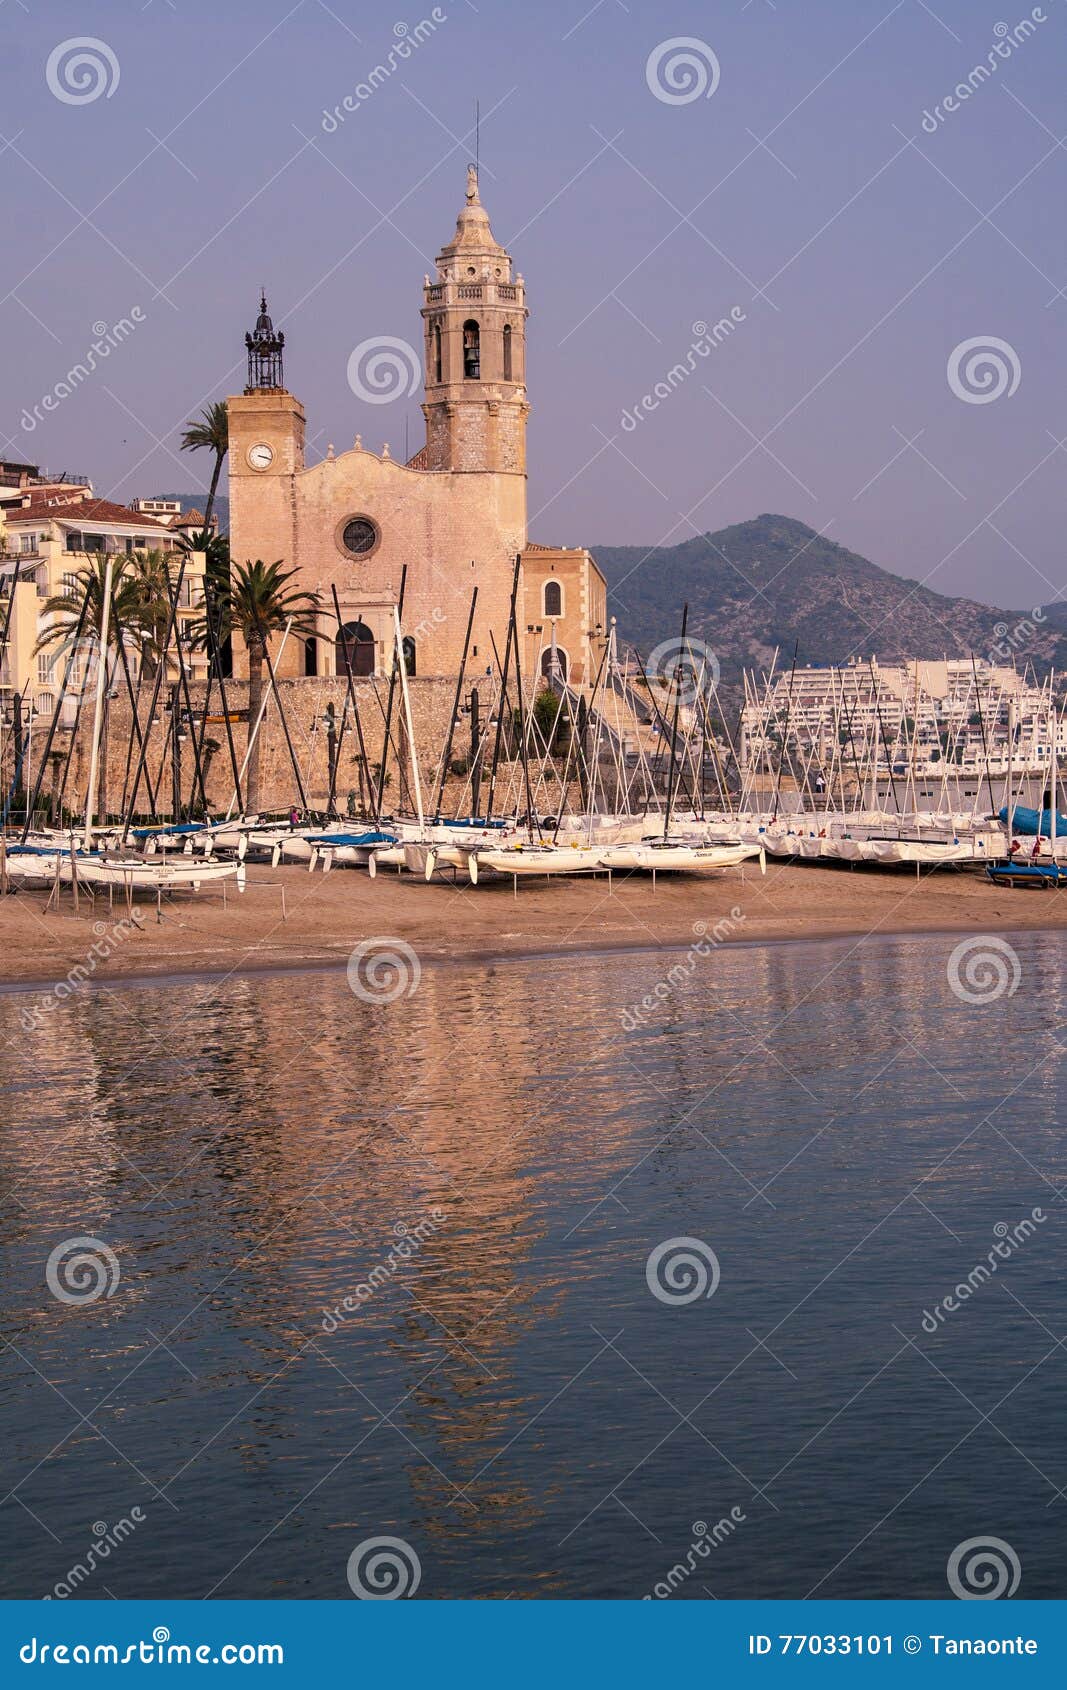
889	265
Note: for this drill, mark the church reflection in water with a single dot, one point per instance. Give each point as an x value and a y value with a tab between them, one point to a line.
370	1256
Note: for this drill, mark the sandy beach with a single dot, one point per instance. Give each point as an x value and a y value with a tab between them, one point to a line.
290	919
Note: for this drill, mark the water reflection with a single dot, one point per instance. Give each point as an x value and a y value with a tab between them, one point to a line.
249	1150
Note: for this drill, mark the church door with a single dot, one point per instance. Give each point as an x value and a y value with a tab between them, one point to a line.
357	638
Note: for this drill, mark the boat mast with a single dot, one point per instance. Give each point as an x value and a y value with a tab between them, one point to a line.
503	689
389	714
439	785
254	735
399	661
72	657
674	721
523	746
98	711
363	764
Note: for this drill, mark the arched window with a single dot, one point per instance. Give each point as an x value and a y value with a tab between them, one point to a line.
311	655
562	660
553	599
436	345
472	351
409	656
357	639
507	351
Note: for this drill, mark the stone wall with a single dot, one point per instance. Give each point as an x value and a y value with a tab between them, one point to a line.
305	705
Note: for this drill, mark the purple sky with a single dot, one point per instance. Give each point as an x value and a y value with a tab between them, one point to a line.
860	261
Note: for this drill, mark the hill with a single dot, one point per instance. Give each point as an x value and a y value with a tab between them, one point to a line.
774	582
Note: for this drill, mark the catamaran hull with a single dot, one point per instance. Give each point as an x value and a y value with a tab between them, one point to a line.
678	859
521	859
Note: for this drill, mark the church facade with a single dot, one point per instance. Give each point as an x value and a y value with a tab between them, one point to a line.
453	517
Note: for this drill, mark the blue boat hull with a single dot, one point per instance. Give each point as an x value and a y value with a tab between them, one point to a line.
1044	875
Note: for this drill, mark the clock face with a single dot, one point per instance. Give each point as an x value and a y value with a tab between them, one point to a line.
260	456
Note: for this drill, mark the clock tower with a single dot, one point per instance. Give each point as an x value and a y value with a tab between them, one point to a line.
266	422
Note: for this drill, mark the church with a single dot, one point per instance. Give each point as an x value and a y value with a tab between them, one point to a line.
453	515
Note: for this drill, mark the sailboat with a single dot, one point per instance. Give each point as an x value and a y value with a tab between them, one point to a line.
1044	872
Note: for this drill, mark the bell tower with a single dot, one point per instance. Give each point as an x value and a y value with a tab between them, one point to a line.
266	422
474	318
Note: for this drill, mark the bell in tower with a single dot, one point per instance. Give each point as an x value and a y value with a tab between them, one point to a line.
264	345
474	315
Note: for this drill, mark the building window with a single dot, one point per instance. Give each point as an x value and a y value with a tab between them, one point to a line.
507	351
74	541
436	341
311	655
355	639
409	656
472	355
360	536
27	542
44	703
44	669
553	599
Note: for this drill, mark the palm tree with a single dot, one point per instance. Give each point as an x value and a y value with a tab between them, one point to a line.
154	576
258	602
216	550
135	614
212	432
